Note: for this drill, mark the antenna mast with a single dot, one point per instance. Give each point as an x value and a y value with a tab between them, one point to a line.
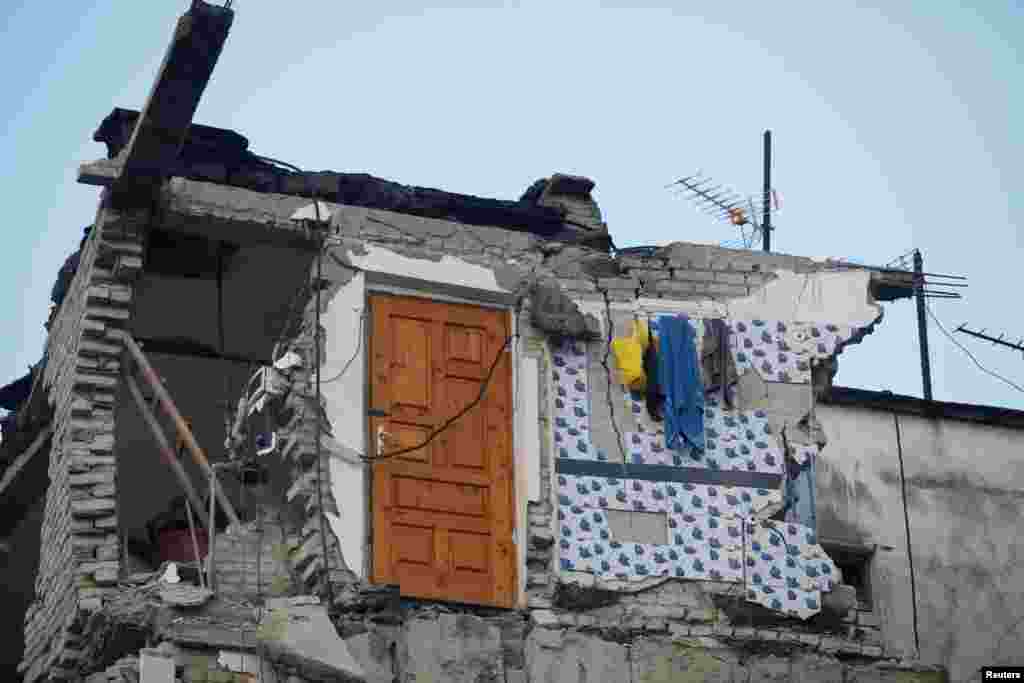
766	213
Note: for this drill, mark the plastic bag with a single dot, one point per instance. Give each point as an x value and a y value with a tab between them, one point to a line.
629	356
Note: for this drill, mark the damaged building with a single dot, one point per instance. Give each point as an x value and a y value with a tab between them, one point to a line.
316	426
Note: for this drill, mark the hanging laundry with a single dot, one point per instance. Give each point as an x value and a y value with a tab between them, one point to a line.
717	360
629	354
679	373
799	504
655	395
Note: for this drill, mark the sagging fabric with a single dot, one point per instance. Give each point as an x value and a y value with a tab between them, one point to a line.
798	497
717	360
679	375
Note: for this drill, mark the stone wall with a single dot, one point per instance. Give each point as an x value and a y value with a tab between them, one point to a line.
413	641
80	549
255	561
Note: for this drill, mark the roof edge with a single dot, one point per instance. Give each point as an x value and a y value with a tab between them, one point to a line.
911	405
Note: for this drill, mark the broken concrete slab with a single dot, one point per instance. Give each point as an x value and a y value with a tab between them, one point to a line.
304	637
556	314
155	667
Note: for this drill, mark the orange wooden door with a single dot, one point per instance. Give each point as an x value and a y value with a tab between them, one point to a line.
442	514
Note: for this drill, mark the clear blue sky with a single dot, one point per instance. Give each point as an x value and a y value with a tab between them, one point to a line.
892	130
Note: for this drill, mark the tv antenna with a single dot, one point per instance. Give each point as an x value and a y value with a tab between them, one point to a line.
725	204
1019	346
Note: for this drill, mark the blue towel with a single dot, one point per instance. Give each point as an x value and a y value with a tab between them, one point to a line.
799	495
679	372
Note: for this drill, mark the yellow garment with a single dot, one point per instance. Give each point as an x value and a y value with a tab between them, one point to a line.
629	356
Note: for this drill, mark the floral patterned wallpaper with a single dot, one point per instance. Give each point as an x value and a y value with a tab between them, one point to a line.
714	525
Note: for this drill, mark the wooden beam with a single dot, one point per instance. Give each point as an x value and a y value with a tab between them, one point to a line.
179	422
166	454
19	463
163	125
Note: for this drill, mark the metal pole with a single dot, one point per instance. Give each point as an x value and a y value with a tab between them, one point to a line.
179	422
922	325
766	217
211	552
165	448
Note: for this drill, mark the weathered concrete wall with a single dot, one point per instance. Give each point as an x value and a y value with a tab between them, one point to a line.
433	643
964	501
80	551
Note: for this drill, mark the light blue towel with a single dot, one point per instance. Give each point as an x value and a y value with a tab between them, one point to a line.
799	497
679	372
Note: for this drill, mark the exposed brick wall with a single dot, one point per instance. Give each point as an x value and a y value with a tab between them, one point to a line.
255	562
80	550
298	432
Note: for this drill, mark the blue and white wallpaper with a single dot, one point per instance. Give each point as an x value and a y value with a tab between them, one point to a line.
712	499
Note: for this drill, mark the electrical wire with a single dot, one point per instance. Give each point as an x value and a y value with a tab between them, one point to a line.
969	354
454	418
355	354
319	403
317	335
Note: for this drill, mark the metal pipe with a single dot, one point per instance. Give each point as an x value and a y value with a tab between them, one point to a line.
766	214
922	325
211	564
179	423
166	454
195	543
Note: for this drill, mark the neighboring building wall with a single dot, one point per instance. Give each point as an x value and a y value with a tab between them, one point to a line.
964	485
80	549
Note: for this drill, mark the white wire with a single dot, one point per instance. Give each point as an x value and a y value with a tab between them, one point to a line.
969	354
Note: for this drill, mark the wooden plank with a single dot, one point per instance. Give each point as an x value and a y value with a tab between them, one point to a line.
166	454
153	151
184	432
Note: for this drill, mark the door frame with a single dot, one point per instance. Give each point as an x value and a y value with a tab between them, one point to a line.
377	283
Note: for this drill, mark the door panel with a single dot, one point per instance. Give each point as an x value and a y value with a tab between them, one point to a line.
442	514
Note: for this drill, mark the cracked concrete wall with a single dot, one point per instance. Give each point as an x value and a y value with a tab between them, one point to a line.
964	502
422	643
